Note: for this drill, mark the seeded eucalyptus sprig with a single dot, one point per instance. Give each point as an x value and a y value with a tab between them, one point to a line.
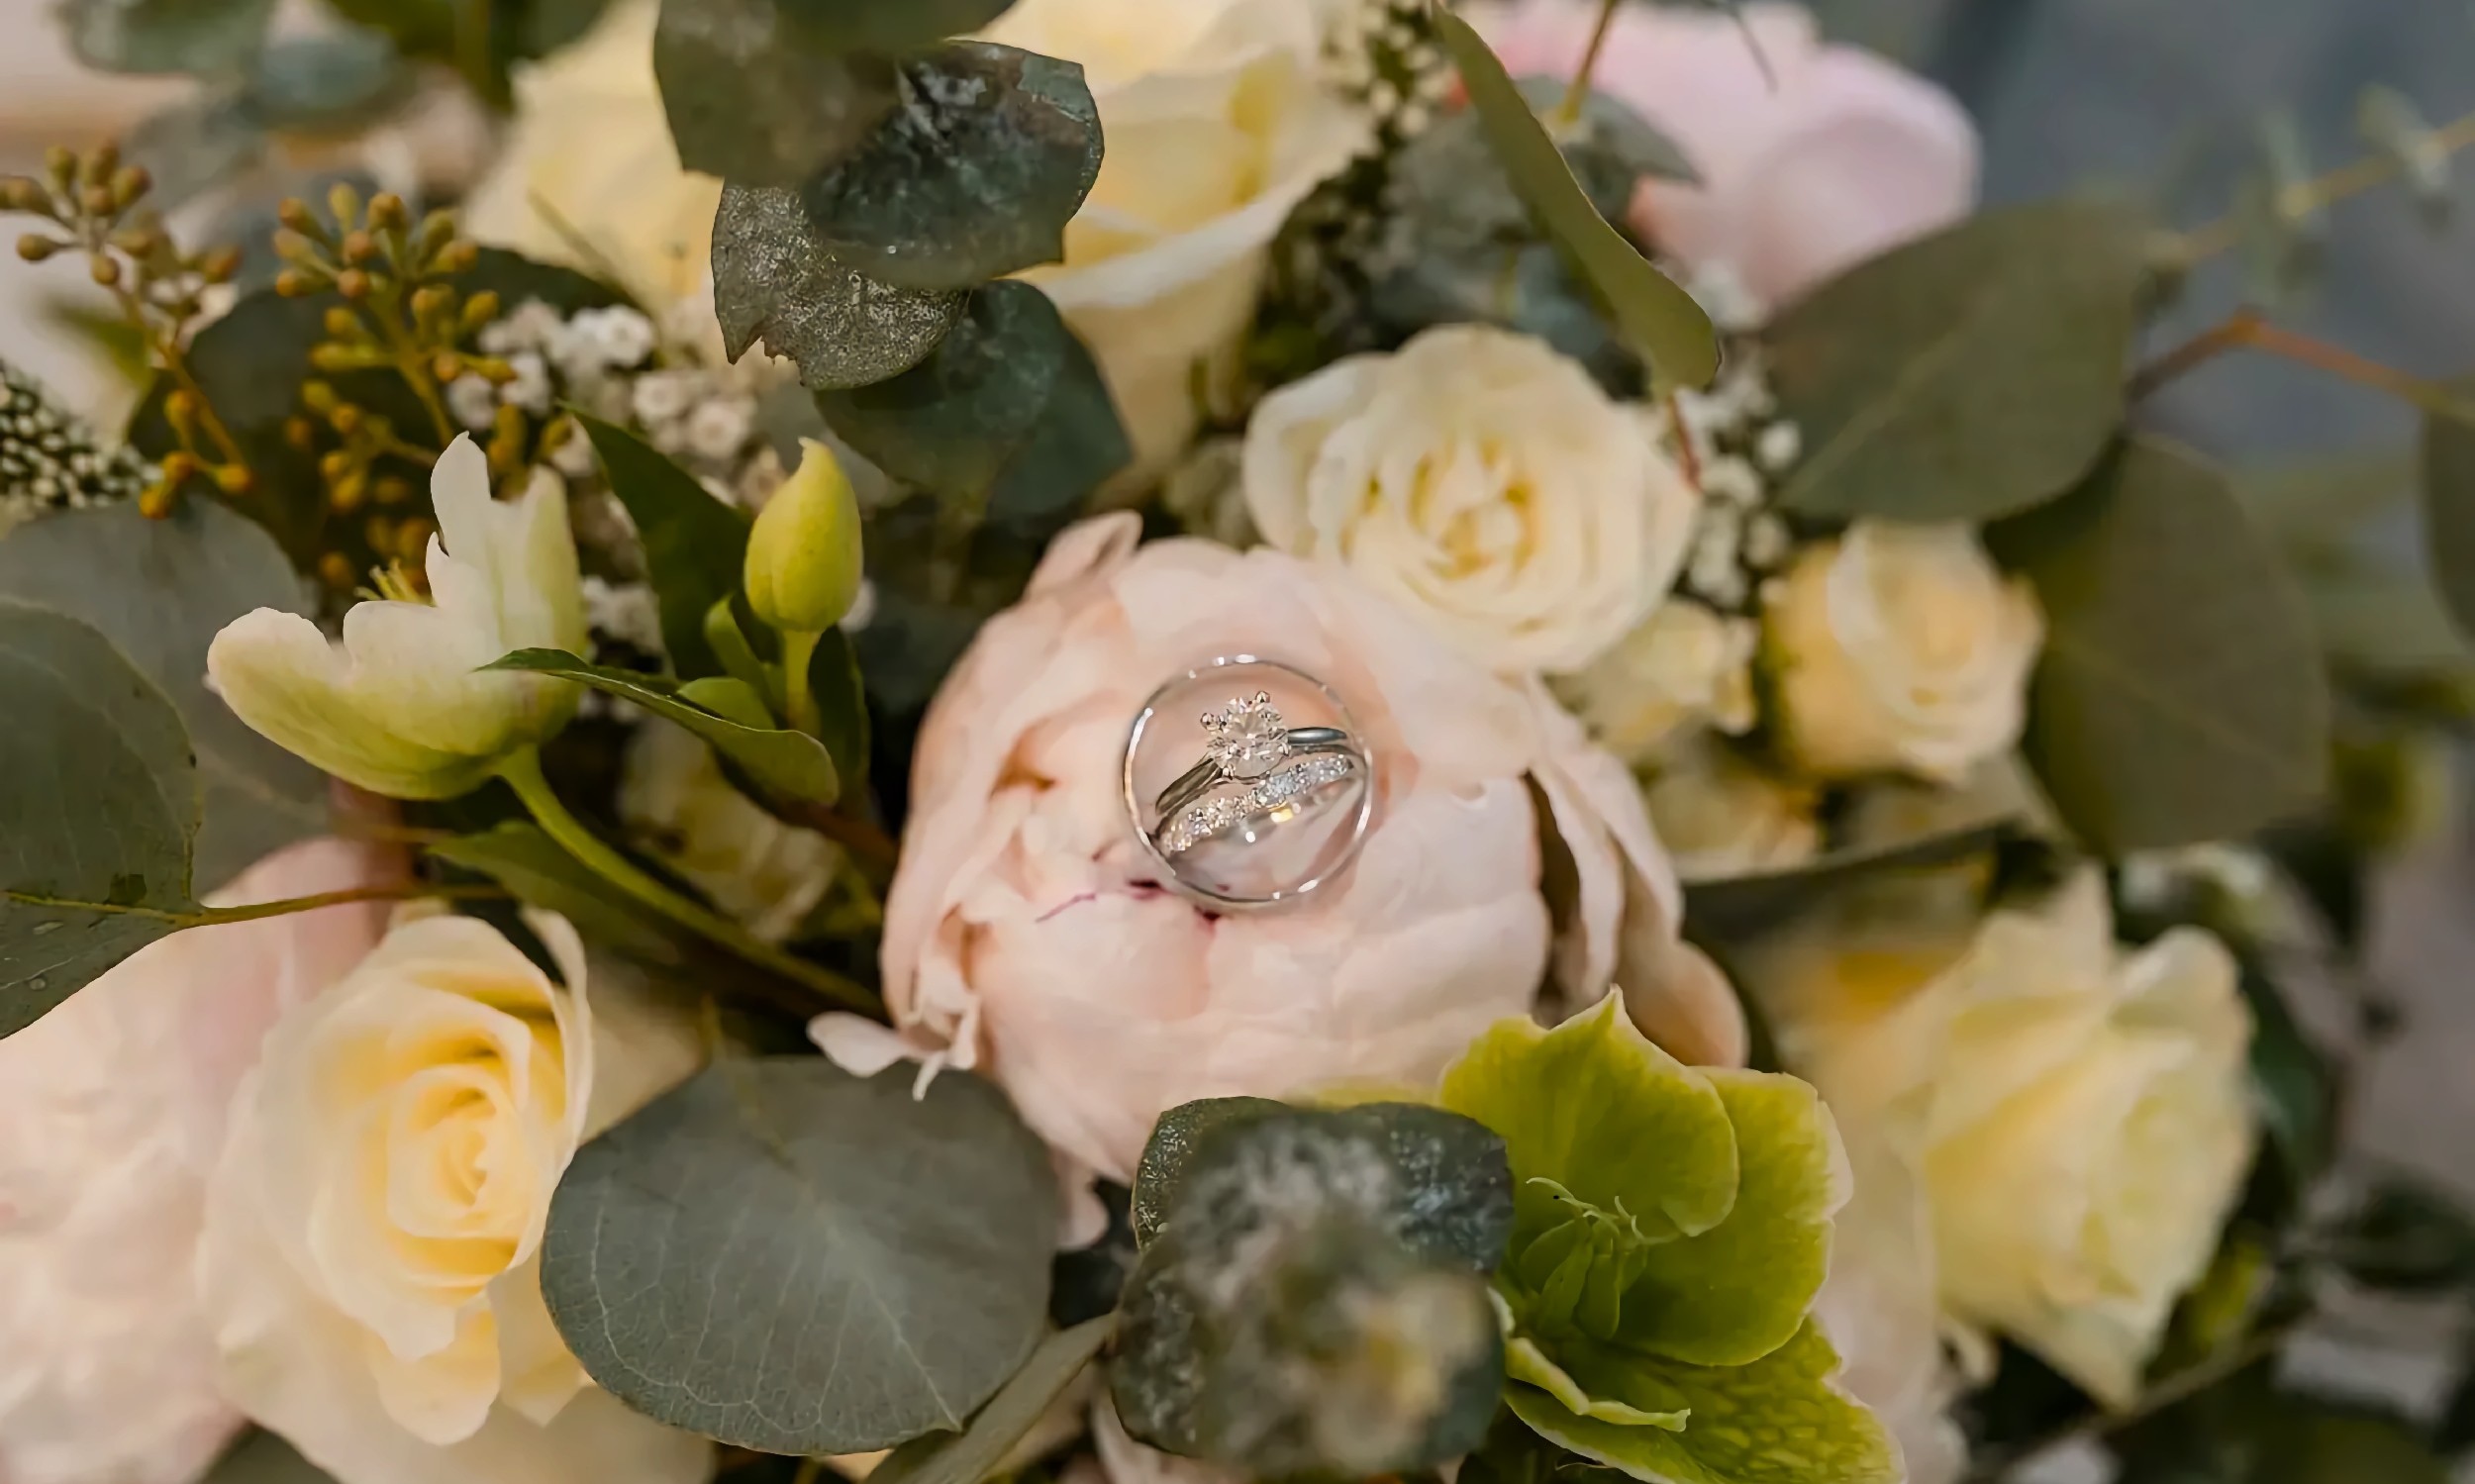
94	204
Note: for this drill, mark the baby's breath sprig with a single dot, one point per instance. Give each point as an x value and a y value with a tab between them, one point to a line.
95	205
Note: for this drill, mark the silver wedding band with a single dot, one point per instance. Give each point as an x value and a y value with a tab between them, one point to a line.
1256	772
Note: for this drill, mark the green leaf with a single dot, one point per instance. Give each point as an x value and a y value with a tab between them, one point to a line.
777	281
329	83
2449	503
695	546
1007	1420
2406	1237
2296	1085
2318	502
98	802
201	36
261	1458
974	178
161	590
1658	318
1009	398
891	24
791	765
752	98
1776	1420
2375	618
540	872
841	698
1739	1291
187	150
789	1258
1595	1107
1969	375
1172	1145
2180	696
1314	1299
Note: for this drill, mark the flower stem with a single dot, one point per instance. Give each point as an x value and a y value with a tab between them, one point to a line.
1568	112
216	916
2250	330
799	698
523	773
2182	250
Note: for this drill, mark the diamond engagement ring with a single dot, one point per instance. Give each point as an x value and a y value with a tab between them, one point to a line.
1284	772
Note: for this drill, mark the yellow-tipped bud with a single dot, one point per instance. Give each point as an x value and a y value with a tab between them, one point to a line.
802	558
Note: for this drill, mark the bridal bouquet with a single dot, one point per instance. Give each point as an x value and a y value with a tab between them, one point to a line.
1169	741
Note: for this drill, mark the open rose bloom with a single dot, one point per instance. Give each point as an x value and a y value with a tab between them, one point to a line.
1028	936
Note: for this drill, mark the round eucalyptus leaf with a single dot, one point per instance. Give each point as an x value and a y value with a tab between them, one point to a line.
338	81
98	801
973	177
754	100
1966	376
200	36
792	1260
161	590
2180	695
776	280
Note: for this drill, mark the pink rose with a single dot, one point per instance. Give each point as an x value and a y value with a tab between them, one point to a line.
1846	156
1027	936
111	1114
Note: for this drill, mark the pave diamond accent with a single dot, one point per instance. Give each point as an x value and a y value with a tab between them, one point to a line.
1215	816
1246	739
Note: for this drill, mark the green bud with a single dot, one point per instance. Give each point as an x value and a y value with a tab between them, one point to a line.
802	558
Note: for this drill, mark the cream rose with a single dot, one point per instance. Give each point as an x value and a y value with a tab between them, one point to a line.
1720	814
370	1261
591	178
1900	648
1027	934
112	1112
680	807
1812	156
1483	482
2078	1113
1218	123
1685	664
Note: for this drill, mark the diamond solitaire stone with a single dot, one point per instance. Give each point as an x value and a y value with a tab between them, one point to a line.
1246	738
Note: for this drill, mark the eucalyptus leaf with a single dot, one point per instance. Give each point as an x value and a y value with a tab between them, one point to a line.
2315	503
1314	1297
973	177
194	146
1658	318
98	803
754	99
1969	375
1009	410
329	81
695	546
262	1458
2449	503
977	1452
776	280
2180	696
891	24
1172	1145
877	1262
202	37
159	590
791	765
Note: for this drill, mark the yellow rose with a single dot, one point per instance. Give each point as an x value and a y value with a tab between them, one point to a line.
1218	123
1485	484
1720	815
2078	1112
589	176
1901	647
1685	664
370	1256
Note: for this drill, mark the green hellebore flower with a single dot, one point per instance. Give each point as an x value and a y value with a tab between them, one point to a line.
804	555
1671	1227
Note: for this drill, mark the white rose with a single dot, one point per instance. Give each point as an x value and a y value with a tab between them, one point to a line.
1901	647
590	178
1685	664
1720	814
370	1257
1483	482
1217	123
679	805
2079	1112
